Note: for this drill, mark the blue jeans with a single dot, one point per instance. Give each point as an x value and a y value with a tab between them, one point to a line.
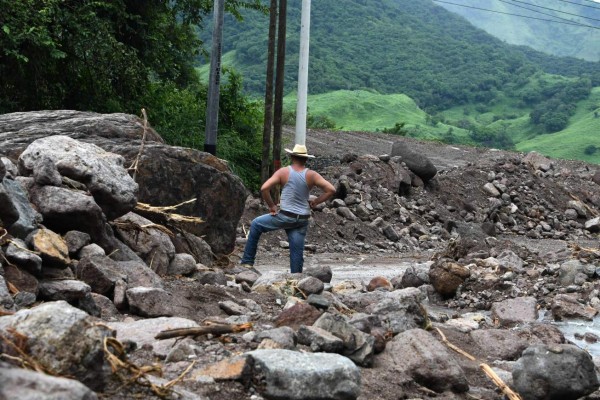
296	232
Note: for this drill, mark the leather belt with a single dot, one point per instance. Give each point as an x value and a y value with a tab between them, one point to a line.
292	215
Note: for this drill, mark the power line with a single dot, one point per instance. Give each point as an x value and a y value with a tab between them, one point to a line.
581	5
548	8
574	23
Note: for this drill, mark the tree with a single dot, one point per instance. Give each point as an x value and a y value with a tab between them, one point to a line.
96	55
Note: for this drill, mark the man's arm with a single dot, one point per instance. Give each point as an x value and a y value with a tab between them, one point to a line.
265	190
325	186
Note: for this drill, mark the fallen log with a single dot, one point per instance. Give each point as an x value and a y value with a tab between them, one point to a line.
217	330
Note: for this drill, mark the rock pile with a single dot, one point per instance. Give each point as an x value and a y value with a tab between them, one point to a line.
83	266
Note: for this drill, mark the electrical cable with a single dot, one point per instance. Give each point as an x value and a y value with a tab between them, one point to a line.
551	9
581	5
574	23
541	12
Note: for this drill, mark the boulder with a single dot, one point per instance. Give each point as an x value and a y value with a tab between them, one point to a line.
593	225
357	346
297	315
170	175
399	315
182	264
319	340
22	384
321	272
292	375
100	272
516	311
76	240
63	339
447	276
65	210
150	302
311	285
417	355
68	290
538	161
285	337
556	372
142	332
6	301
19	254
418	163
139	274
567	307
152	245
16	213
167	175
103	173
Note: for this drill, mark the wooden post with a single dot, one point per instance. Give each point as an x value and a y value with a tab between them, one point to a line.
266	143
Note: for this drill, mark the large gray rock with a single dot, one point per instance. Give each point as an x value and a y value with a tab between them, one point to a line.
569	271
416	355
516	311
18	130
593	225
182	264
100	272
103	173
139	274
16	213
358	346
566	307
150	302
299	376
152	245
6	301
19	254
557	372
399	315
67	290
63	339
22	384
418	163
167	175
170	175
64	210
142	332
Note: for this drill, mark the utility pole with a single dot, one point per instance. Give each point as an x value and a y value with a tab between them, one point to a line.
279	83
301	107
212	106
266	143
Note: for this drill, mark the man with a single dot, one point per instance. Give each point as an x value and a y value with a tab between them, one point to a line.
297	181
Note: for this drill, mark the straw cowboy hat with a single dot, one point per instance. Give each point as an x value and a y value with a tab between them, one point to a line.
299	151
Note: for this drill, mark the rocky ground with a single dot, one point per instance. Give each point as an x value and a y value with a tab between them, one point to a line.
400	267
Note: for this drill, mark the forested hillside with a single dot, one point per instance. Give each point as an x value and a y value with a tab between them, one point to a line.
467	86
561	38
395	46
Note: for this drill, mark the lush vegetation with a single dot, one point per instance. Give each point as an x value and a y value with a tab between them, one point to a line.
109	56
458	84
412	47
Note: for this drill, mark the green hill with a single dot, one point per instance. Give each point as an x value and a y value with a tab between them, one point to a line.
560	39
578	140
375	64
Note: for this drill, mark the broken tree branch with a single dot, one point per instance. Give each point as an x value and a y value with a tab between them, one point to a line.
499	382
202	330
134	165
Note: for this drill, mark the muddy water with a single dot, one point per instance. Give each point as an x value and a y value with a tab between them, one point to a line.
359	268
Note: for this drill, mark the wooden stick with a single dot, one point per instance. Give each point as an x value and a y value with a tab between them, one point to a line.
134	166
499	382
453	347
202	330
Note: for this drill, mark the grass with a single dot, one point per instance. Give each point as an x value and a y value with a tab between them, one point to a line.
570	143
362	110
